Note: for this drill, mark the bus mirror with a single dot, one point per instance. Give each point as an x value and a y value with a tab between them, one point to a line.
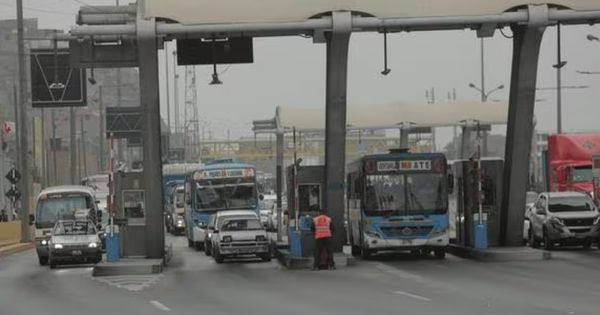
31	219
450	183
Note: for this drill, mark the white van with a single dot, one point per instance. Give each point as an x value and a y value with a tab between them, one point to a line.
61	203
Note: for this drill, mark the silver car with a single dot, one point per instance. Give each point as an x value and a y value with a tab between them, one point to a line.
241	237
563	218
74	241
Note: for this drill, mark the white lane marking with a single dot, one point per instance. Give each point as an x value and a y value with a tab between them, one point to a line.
160	306
414	296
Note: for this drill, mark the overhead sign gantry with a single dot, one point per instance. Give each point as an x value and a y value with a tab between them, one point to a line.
332	22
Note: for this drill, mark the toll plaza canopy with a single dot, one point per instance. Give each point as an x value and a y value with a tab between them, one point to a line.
394	115
278	11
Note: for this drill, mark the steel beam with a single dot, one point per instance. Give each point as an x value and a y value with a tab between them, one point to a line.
151	137
466	142
359	24
526	48
335	122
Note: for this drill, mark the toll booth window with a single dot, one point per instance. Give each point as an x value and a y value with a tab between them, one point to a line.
133	204
309	197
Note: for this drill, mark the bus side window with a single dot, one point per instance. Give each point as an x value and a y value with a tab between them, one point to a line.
188	193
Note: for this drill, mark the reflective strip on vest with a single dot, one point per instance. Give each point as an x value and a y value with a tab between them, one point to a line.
322	224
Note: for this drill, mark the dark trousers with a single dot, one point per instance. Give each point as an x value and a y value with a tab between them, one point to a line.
320	244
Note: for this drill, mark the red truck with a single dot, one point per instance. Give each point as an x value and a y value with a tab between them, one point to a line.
569	161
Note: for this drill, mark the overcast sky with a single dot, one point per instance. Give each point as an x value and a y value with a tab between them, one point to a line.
291	72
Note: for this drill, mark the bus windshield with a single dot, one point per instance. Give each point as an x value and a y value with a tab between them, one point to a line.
228	196
53	209
416	193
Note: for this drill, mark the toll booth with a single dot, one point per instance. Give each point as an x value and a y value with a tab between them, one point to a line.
131	214
464	205
309	182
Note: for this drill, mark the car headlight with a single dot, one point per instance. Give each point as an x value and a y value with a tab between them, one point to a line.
209	235
93	245
179	222
261	238
227	239
44	242
58	246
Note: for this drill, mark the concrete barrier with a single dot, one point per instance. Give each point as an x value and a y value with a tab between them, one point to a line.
10	232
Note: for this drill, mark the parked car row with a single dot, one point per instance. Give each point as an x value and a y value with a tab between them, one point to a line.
562	219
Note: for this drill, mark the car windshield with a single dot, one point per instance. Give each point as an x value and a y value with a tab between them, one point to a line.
570	204
241	225
57	207
582	174
74	228
225	196
406	193
179	197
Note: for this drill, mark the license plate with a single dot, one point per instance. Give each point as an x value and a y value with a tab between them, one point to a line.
76	252
407	242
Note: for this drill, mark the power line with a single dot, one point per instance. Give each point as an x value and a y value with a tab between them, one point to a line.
38	10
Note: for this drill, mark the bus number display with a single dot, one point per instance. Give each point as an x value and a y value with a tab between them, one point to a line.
391	166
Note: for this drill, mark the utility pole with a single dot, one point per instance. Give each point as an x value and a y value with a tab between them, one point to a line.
23	130
101	131
82	154
175	93
559	64
168	92
483	96
53	118
44	150
73	145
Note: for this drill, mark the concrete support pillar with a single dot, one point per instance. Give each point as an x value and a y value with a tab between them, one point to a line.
151	139
526	48
335	128
466	142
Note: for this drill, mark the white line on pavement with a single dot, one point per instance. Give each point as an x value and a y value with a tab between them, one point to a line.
414	296
160	306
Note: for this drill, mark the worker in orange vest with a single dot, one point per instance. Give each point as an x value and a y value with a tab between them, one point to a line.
323	231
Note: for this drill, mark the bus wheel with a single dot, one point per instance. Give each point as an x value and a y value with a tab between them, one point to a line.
355	251
440	253
199	245
190	243
43	260
365	253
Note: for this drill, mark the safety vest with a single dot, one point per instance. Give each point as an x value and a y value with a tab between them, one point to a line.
322	224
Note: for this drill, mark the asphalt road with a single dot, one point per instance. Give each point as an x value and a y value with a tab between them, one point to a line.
400	284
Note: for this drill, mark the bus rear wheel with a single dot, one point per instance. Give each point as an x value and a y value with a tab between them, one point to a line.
355	250
440	253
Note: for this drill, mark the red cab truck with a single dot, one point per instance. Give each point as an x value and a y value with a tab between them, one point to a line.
569	162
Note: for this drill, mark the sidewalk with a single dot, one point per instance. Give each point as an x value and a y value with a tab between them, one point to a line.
8	248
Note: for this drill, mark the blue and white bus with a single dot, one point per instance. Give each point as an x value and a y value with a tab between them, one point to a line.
218	186
398	201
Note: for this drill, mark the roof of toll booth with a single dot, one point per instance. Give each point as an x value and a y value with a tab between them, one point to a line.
394	115
281	11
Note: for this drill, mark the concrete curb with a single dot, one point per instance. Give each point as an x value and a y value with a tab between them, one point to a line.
294	263
500	254
128	267
11	249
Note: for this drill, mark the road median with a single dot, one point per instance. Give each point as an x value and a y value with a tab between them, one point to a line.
7	249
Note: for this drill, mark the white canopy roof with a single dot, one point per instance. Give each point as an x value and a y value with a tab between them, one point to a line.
389	116
266	11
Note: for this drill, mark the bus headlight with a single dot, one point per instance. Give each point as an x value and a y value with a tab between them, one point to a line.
93	245
373	234
44	242
58	246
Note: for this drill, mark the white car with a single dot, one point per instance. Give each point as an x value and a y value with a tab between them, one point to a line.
240	236
563	218
217	219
